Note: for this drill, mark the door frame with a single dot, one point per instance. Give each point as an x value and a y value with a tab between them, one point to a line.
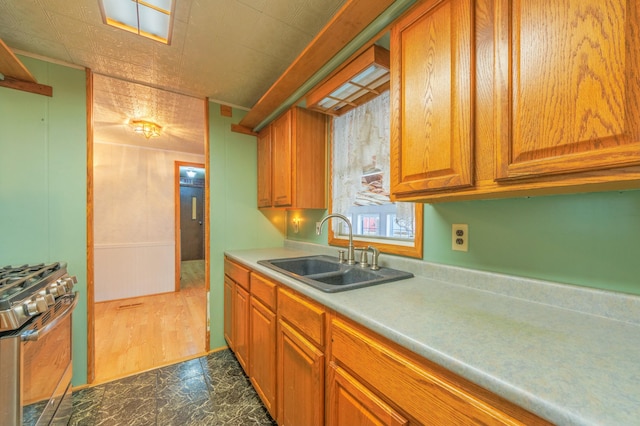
178	243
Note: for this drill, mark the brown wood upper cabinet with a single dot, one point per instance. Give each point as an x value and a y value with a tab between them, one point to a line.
509	98
568	86
264	167
432	98
291	161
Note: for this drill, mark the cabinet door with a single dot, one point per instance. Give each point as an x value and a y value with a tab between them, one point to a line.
262	357
351	403
264	167
432	87
229	290
567	75
300	379
282	150
241	327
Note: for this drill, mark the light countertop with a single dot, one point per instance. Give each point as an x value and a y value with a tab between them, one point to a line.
568	354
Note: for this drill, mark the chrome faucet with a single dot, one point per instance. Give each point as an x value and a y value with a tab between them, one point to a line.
350	251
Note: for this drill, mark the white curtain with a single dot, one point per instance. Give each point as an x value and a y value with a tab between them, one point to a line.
361	160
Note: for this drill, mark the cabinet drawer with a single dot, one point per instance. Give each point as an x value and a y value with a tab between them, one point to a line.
237	273
422	390
264	290
306	316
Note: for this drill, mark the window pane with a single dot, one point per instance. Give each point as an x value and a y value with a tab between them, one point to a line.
361	167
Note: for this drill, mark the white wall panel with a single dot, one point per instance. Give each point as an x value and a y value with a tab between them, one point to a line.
131	270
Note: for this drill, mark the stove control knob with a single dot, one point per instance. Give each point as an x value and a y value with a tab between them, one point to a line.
49	299
57	289
61	287
53	290
30	308
70	282
35	306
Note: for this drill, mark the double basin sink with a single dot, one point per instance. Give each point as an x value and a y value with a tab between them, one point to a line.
326	273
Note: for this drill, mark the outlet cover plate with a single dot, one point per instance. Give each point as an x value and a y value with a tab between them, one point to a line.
460	237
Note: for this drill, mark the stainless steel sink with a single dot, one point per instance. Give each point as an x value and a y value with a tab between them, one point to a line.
327	274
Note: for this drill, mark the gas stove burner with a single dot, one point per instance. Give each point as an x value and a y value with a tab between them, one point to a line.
28	290
18	277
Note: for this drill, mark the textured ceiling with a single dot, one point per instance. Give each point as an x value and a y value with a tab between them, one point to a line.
231	51
115	102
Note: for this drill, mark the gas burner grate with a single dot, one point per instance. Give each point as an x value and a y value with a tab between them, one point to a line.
16	278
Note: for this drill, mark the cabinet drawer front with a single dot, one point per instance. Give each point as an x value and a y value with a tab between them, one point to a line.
237	273
264	290
303	314
423	394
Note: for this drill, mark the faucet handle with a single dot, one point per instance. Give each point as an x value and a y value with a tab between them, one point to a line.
374	261
364	261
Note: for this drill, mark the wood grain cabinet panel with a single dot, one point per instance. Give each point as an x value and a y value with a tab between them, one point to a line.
236	310
421	392
239	274
432	86
262	356
282	160
351	403
298	141
308	317
568	86
300	379
229	290
264	167
241	327
264	290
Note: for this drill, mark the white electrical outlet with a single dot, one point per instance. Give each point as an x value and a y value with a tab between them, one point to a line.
460	237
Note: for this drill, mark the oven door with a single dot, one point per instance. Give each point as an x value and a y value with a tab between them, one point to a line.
46	366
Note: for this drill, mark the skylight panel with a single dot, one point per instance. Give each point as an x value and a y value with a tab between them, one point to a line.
148	18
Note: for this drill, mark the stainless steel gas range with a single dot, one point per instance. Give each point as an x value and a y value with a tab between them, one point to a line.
36	302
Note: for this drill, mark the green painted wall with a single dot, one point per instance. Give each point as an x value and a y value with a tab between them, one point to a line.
43	182
235	222
582	239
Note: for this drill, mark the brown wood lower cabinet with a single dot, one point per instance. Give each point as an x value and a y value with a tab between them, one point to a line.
311	366
241	327
262	341
229	290
352	403
236	310
402	386
301	360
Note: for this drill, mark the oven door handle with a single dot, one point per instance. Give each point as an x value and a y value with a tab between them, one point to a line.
33	335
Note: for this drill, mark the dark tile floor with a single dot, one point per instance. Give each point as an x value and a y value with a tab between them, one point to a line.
211	390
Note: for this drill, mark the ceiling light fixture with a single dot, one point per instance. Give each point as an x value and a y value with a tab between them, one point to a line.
147	128
148	18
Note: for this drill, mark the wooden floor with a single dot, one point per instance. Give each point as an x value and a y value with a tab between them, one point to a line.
142	333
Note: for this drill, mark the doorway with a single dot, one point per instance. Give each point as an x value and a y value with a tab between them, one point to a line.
136	319
190	228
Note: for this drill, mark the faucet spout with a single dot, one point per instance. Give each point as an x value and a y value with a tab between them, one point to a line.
350	250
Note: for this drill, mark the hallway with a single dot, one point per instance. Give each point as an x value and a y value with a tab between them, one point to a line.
142	333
